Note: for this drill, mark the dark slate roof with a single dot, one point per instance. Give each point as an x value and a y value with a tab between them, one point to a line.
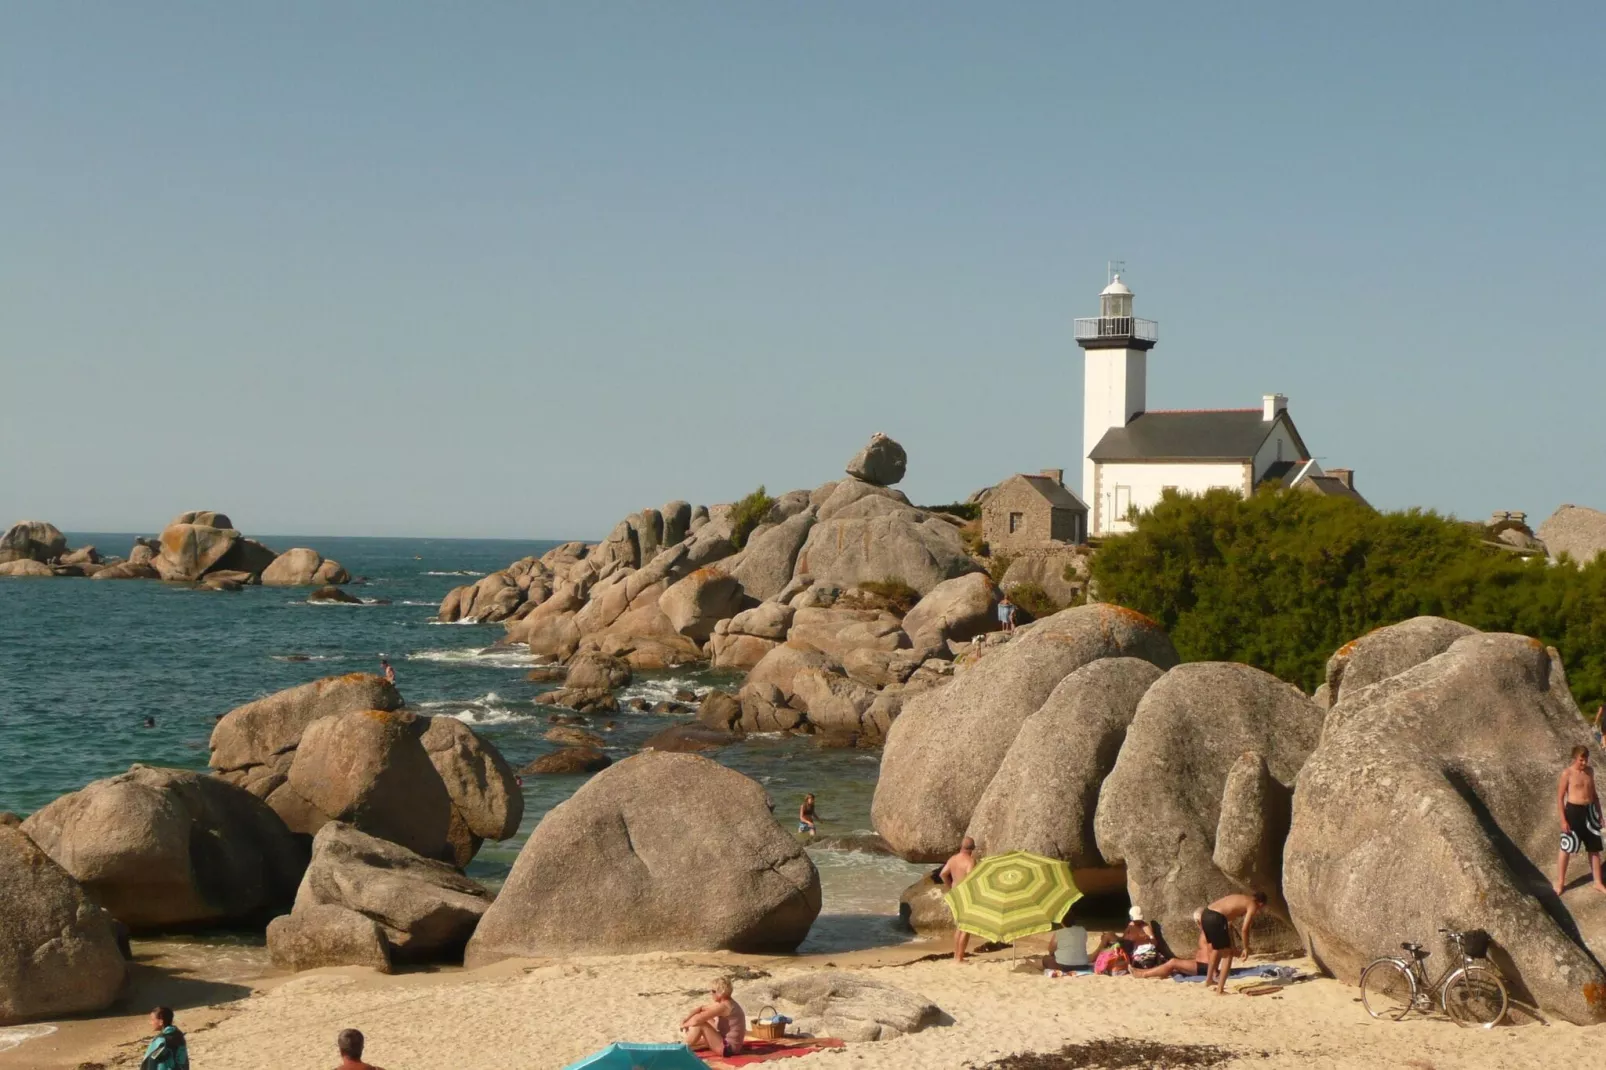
1191	435
1283	472
1058	494
1333	487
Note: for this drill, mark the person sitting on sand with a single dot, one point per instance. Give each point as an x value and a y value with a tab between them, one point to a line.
350	1043
1576	800
805	815
1215	924
719	1027
1067	949
1168	967
953	871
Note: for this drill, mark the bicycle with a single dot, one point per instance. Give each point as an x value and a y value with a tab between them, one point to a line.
1470	994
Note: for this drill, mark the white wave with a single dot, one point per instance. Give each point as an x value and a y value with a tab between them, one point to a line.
660	690
489	708
13	1037
478	657
414	602
308	657
452	623
459	572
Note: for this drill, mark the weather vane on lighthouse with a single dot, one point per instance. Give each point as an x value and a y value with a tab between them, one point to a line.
1112	268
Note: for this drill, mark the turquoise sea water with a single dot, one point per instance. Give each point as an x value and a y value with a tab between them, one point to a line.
83	663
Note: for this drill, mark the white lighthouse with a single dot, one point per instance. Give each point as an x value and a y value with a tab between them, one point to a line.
1117	347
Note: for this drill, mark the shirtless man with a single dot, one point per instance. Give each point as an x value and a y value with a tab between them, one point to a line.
1575	797
1215	922
955	870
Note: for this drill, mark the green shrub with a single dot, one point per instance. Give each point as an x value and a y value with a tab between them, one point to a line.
963	510
1034	600
1280	581
748	514
998	565
891	593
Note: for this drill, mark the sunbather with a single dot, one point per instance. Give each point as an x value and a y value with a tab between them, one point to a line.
1067	949
719	1027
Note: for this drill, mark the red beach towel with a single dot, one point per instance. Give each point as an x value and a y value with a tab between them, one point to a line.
762	1051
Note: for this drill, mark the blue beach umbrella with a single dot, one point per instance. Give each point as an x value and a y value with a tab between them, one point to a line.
641	1057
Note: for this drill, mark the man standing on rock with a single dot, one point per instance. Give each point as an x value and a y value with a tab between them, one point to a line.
1215	921
1576	801
386	670
953	871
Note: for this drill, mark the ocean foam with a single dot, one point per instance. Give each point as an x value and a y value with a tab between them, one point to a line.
660	690
459	572
308	657
477	657
489	708
14	1036
415	602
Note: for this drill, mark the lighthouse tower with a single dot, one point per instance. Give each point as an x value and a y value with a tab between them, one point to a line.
1117	347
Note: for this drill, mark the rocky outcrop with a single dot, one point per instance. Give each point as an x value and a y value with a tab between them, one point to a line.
831	1003
698	602
1431	801
897	544
189	549
26	567
167	848
333	594
948	743
425	910
254	744
1574	530
492	598
32	540
1386	652
954	610
590	669
881	462
1161	806
837	632
1046	790
58	950
368	769
613	870
301	567
569	760
486	801
319	936
770	555
127	570
688	739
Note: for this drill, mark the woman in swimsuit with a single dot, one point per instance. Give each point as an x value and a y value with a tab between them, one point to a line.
719	1027
805	815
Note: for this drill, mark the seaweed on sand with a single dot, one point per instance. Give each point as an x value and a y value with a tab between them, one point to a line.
1117	1053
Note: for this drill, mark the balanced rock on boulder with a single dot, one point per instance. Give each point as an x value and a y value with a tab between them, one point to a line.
58	950
882	462
166	848
613	869
1431	802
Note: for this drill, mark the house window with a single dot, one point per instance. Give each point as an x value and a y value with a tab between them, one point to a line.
1016	522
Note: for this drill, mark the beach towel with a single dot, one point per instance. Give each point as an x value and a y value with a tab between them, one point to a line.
1267	970
762	1051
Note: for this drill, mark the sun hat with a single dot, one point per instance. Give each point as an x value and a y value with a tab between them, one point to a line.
1136	913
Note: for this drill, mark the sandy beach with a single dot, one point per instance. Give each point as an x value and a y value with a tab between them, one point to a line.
524	1015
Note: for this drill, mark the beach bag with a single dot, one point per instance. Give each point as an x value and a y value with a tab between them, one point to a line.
1110	961
1146	956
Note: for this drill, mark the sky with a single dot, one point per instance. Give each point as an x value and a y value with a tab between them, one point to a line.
519	269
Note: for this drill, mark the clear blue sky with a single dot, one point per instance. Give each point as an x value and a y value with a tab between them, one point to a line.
518	269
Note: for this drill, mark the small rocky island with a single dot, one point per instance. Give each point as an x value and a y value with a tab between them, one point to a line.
202	548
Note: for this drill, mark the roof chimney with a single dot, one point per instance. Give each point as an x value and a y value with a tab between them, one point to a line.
1056	474
1345	476
1271	405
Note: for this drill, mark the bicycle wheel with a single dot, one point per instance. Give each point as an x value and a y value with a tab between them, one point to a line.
1387	989
1475	996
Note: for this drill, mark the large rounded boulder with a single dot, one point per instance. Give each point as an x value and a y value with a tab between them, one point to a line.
301	567
957	609
58	950
1162	805
486	801
190	548
1389	651
168	848
369	769
876	540
254	744
948	743
32	540
657	852
1046	791
881	462
1431	802
1575	530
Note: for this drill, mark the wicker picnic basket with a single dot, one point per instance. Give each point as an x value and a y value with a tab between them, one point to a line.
767	1030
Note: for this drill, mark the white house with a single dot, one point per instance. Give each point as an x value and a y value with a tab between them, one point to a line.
1132	454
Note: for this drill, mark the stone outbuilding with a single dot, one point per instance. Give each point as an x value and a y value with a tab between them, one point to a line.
1027	511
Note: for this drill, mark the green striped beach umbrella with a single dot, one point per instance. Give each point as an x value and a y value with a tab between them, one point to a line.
1012	895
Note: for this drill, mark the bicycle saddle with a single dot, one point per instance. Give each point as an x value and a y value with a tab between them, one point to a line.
1415	949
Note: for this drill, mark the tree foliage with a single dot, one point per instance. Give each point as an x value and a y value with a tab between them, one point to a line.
1280	580
748	514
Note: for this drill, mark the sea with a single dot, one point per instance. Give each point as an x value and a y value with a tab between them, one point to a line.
83	664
